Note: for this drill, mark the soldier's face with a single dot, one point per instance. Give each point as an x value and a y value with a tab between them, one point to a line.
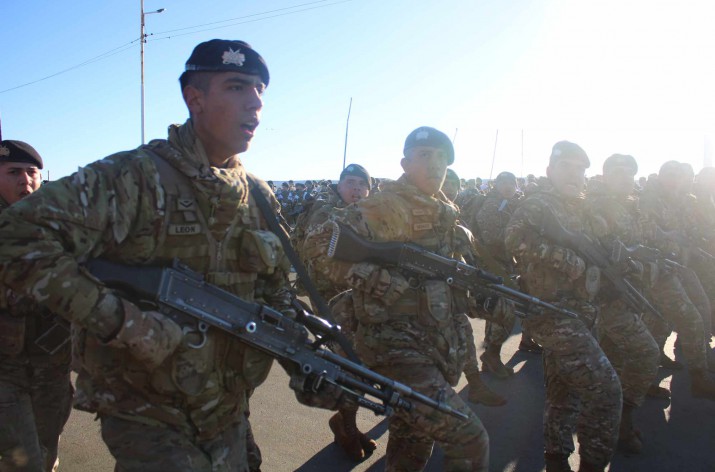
450	188
425	168
18	180
619	180
568	177
506	188
226	114
352	188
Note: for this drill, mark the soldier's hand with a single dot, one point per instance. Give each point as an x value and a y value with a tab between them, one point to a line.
150	336
569	262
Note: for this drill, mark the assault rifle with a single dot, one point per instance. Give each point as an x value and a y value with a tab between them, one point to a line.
687	243
595	255
183	295
643	254
346	245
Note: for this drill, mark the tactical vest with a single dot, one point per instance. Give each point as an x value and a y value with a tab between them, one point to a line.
200	391
423	320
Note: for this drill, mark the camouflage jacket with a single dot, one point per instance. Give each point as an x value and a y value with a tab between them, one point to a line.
540	262
317	213
664	211
121	209
491	220
22	322
699	217
407	325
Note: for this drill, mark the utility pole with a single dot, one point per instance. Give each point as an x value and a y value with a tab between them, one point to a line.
142	40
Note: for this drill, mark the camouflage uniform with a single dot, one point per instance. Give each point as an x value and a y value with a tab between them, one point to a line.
621	332
671	293
35	388
582	388
490	222
139	209
413	334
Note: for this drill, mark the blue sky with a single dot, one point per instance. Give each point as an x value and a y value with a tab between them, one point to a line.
630	77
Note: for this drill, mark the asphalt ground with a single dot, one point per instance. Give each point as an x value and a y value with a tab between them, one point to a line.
678	435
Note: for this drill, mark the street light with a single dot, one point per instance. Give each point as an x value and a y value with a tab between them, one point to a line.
142	40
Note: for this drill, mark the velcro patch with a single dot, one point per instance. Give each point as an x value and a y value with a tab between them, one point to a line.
422	226
420	212
179	230
184	204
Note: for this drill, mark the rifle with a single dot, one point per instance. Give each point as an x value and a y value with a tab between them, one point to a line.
594	254
346	245
183	295
681	239
643	254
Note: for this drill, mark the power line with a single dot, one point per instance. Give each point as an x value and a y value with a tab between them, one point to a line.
244	22
130	44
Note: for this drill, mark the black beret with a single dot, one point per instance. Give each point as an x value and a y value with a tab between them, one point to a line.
620	160
358	171
505	176
430	137
451	175
222	55
19	151
570	151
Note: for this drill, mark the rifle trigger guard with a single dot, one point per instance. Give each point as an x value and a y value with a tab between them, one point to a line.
202	328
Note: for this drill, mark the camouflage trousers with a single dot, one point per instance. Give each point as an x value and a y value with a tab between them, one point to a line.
695	286
413	434
35	403
582	390
631	349
471	364
670	298
139	447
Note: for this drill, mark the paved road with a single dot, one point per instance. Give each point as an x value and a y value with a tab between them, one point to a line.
679	435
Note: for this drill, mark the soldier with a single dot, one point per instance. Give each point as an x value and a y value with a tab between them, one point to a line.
167	399
35	388
490	221
611	210
414	332
451	185
582	389
354	185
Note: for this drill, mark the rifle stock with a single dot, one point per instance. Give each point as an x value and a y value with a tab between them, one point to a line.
183	295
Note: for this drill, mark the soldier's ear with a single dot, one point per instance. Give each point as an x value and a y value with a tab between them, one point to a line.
404	162
194	99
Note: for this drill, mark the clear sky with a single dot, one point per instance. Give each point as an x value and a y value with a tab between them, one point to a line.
625	76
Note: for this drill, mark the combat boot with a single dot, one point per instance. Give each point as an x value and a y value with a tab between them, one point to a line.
701	386
480	393
557	462
629	439
355	444
491	362
527	344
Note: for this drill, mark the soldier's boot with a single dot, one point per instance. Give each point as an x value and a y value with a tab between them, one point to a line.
480	393
668	363
557	462
491	362
656	391
344	427
701	386
527	344
629	439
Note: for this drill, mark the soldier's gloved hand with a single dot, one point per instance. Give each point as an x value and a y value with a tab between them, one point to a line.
568	262
150	336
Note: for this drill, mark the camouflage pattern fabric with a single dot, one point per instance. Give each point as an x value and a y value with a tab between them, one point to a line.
120	209
583	391
491	221
147	448
622	333
413	333
35	388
